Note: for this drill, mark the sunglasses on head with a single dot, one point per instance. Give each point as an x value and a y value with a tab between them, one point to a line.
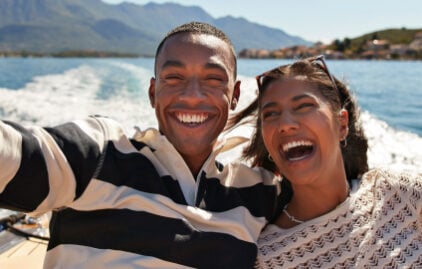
317	60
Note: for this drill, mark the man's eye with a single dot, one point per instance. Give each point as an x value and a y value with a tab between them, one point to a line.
173	77
214	80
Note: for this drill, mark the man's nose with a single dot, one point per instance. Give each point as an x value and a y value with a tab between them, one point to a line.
193	90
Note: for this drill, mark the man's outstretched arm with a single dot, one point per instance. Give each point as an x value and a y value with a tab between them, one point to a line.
46	168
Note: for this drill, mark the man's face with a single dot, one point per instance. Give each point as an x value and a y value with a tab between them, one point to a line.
193	92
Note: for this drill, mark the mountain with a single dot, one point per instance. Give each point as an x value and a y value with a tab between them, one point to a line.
48	26
394	36
245	34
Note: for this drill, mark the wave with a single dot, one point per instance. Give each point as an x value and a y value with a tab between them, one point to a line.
49	99
76	93
119	91
388	147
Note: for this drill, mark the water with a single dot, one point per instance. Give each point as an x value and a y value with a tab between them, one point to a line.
52	91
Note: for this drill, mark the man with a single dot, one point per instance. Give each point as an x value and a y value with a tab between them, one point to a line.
158	200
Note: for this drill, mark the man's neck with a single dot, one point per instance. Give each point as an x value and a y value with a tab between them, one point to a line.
195	163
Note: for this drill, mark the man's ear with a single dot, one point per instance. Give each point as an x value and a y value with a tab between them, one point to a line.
343	124
236	95
151	92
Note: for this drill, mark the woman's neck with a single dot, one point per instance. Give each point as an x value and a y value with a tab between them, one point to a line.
309	202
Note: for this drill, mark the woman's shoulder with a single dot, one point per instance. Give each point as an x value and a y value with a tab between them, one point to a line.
393	174
400	181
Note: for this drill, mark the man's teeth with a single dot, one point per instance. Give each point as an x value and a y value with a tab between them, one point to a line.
192	118
290	145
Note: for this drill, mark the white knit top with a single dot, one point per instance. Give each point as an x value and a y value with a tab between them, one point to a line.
378	226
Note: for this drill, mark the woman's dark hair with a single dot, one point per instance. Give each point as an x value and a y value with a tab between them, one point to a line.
354	152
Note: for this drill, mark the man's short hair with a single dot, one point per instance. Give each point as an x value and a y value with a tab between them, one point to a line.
198	28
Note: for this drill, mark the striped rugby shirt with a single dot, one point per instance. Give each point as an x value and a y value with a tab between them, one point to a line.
132	203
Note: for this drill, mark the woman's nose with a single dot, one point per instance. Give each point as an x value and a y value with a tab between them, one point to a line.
287	122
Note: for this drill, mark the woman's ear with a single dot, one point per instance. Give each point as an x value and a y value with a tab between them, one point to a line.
343	124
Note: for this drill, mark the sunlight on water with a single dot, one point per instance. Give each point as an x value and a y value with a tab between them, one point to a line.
388	147
54	99
118	89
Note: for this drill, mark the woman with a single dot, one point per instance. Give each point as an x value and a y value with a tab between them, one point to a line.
336	214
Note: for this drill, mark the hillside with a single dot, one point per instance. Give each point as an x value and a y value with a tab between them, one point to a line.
389	44
394	36
51	26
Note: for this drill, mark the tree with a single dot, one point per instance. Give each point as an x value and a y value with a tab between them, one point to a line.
338	45
374	36
347	43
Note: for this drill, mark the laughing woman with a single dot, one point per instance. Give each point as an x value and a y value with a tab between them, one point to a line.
336	213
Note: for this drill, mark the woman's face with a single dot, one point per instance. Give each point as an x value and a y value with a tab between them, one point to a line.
300	131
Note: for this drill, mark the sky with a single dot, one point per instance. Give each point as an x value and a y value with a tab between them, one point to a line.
314	20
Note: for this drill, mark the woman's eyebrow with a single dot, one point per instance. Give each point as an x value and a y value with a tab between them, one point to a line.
294	99
269	105
301	96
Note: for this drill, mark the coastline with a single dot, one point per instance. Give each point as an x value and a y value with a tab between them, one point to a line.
69	54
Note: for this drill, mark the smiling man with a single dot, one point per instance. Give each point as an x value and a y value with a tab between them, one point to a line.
159	199
194	89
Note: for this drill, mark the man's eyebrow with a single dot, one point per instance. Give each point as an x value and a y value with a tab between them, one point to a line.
215	66
172	63
175	63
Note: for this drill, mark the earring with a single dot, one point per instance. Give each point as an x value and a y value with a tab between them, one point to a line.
343	143
270	158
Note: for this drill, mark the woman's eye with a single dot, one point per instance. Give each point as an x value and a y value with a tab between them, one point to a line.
303	106
269	114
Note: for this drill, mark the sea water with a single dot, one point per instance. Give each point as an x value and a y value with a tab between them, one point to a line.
50	91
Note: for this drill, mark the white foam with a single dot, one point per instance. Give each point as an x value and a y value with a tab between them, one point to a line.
142	75
391	148
388	147
54	99
51	99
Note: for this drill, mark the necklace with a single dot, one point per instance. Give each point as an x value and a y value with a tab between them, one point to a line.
293	219
290	216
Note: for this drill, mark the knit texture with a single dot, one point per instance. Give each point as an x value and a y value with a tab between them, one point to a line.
378	226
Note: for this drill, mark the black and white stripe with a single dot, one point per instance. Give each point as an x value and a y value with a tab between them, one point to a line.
30	175
133	201
147	234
